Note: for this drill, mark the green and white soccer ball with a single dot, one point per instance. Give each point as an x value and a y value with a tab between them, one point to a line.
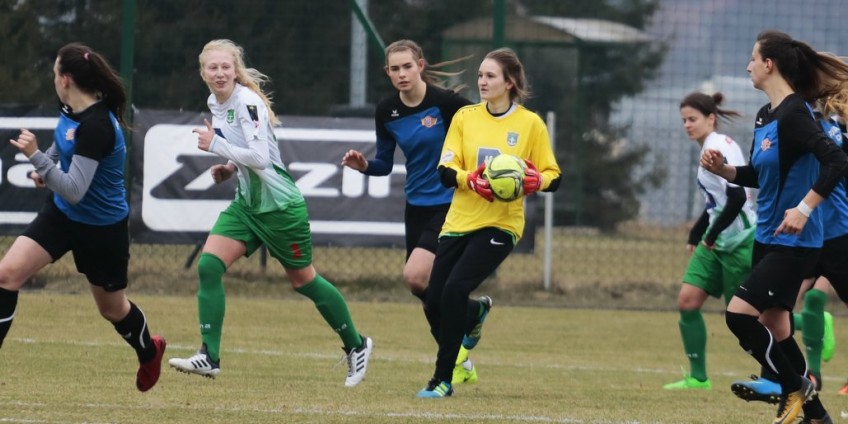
506	177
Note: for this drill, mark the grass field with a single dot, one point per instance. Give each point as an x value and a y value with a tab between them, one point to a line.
63	364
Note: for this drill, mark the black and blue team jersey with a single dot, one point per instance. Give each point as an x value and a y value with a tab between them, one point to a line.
95	134
834	209
790	154
420	132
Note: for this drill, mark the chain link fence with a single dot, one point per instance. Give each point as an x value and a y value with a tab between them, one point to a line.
612	72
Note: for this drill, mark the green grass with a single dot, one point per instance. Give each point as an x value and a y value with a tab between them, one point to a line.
63	364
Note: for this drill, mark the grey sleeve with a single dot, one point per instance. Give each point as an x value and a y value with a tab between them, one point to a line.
71	186
52	153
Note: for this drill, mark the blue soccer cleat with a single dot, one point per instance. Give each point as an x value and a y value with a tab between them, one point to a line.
757	388
471	339
435	390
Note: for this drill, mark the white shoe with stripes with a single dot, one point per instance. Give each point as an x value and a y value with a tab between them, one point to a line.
199	364
357	362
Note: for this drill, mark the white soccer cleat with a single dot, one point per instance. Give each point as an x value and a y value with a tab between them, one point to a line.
357	362
199	364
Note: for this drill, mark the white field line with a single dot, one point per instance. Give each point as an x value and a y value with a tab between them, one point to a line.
40	421
406	359
318	412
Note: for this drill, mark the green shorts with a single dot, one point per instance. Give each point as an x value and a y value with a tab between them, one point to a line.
285	233
719	273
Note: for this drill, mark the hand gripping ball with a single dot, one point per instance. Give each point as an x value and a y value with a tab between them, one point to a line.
506	177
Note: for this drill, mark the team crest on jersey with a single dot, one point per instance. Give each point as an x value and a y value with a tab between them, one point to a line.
429	121
231	116
69	134
512	138
765	145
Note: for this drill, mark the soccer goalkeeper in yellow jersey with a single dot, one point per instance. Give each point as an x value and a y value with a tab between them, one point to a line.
480	231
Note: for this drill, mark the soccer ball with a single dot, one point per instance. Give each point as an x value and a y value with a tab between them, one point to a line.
506	177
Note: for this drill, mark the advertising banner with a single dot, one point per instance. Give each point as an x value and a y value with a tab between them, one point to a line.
174	200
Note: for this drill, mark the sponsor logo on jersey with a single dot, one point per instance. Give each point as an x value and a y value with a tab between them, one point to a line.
447	157
512	138
429	121
835	134
69	134
254	115
766	144
231	116
728	140
394	113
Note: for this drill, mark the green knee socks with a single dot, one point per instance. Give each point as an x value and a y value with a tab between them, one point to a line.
333	308
211	303
813	333
693	330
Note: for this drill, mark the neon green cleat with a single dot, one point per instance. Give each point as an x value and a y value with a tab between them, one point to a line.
464	373
462	356
689	382
829	340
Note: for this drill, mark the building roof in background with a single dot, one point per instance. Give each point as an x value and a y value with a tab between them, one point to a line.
549	29
594	30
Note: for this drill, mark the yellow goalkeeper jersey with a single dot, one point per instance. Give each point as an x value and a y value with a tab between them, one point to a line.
476	136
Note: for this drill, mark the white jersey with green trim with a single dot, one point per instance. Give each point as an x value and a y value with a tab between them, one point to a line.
714	189
244	135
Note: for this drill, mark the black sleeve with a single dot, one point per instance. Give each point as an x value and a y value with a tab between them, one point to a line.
736	198
699	228
452	103
447	176
554	185
746	176
844	149
805	134
95	138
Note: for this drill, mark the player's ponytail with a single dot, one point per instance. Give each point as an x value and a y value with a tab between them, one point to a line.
818	76
707	105
93	74
432	74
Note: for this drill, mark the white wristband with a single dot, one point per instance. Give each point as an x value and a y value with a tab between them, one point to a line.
805	209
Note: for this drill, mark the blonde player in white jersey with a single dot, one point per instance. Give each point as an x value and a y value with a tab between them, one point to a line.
722	240
268	210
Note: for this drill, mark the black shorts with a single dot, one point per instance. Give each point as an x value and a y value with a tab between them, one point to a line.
423	225
776	275
101	252
833	265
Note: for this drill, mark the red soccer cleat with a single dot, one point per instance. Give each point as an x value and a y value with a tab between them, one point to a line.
148	372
